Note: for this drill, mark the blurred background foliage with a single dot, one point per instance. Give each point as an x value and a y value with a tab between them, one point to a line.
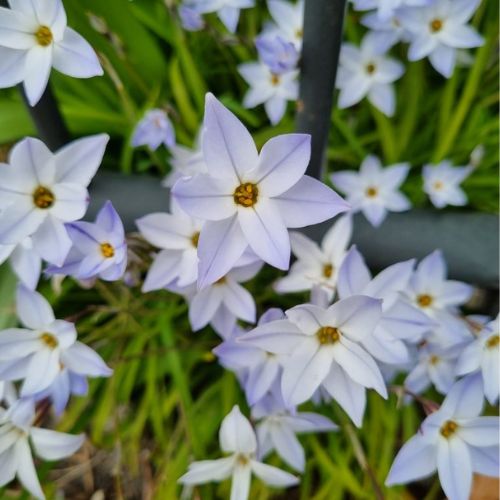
164	404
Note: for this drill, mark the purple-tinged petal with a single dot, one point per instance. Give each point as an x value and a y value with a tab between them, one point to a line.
33	309
309	202
454	468
52	242
83	360
353	275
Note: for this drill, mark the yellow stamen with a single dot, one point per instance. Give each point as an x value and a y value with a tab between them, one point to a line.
243	459
107	250
438	185
434	359
436	25
49	340
370	68
195	238
220	281
448	429
327	270
246	194
299	33
493	342
328	335
275	79
425	300
44	36
43	197
371	192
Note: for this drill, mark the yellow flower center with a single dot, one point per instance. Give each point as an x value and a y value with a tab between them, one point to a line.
43	197
438	185
370	68
493	342
436	25
275	79
195	238
327	270
371	192
246	194
49	340
44	36
243	459
424	300
434	360
448	429
220	281
107	250
328	335
299	33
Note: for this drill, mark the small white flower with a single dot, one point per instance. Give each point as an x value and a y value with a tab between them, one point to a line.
237	437
17	431
442	183
227	10
483	355
315	264
176	235
323	349
37	353
268	88
40	191
278	426
386	8
374	190
439	29
33	38
154	129
439	298
289	19
455	440
363	72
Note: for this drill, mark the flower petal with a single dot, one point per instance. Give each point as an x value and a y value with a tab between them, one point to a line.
38	64
83	360
220	245
73	56
272	475
206	471
309	202
52	242
228	147
236	435
454	468
52	445
33	309
26	471
266	233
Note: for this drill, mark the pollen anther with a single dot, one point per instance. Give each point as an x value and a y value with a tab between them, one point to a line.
44	36
328	335
493	342
195	238
371	192
448	429
436	25
425	300
246	194
107	250
43	197
49	340
327	270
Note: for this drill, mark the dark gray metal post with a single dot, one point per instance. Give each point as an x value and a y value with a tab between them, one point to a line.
323	22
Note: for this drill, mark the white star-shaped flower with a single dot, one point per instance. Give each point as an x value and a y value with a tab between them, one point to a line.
34	38
439	29
363	72
237	437
374	190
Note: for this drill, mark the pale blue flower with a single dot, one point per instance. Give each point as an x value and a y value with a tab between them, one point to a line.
400	322
41	191
482	355
385	32
323	349
439	298
228	11
439	29
442	183
455	441
317	265
374	190
277	428
37	353
34	38
238	439
278	54
386	8
99	249
268	88
17	432
288	20
191	19
154	129
250	199
363	72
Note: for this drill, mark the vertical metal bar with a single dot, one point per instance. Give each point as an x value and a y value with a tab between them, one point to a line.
46	116
323	22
